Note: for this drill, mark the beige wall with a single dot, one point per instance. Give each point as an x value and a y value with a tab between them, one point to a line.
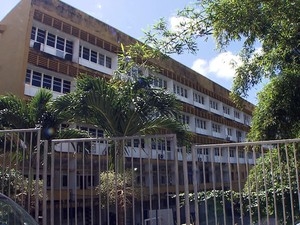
14	42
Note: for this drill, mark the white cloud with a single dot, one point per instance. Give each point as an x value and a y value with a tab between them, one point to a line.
200	66
99	6
222	66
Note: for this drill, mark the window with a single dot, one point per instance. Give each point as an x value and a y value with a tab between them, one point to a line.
108	62
180	91
48	181
33	32
226	110
185	119
92	131
69	47
66	86
231	153
94	56
159	82
90	181
236	114
57	84
229	131
217	151
213	105
239	136
60	44
51	40
199	98
200	123
40	36
28	77
202	151
246	120
38	79
101	59
47	81
216	128
64	180
250	155
241	154
86	53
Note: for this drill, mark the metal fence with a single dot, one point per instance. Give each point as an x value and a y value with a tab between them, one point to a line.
149	180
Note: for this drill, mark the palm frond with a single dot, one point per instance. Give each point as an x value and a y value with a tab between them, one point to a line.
39	103
14	112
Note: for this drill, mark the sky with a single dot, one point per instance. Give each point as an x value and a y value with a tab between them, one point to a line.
134	16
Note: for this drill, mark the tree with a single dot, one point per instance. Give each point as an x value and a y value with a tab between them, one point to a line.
276	115
21	189
122	106
273	24
118	188
39	111
18	113
271	187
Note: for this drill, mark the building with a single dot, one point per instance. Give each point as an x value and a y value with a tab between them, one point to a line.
46	43
49	43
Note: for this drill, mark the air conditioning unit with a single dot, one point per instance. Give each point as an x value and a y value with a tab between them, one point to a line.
68	57
37	46
59	53
160	156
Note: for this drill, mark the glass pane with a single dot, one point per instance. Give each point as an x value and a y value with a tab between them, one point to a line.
69	47
108	62
47	80
33	31
41	36
51	40
94	56
28	77
101	59
86	53
66	86
36	79
60	43
57	84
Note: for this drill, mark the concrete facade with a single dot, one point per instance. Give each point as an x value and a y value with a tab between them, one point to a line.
215	119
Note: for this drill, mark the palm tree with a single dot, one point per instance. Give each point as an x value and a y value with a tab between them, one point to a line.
38	112
18	113
123	107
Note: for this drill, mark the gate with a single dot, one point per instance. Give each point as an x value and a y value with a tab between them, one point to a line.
244	183
149	180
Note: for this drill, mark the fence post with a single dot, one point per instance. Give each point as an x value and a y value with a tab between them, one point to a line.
195	183
45	169
37	177
186	187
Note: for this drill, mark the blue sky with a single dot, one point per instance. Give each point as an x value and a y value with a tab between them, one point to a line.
134	16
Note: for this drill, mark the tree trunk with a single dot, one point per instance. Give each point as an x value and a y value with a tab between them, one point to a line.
121	215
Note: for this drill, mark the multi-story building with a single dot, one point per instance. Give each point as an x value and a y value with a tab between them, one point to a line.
46	44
